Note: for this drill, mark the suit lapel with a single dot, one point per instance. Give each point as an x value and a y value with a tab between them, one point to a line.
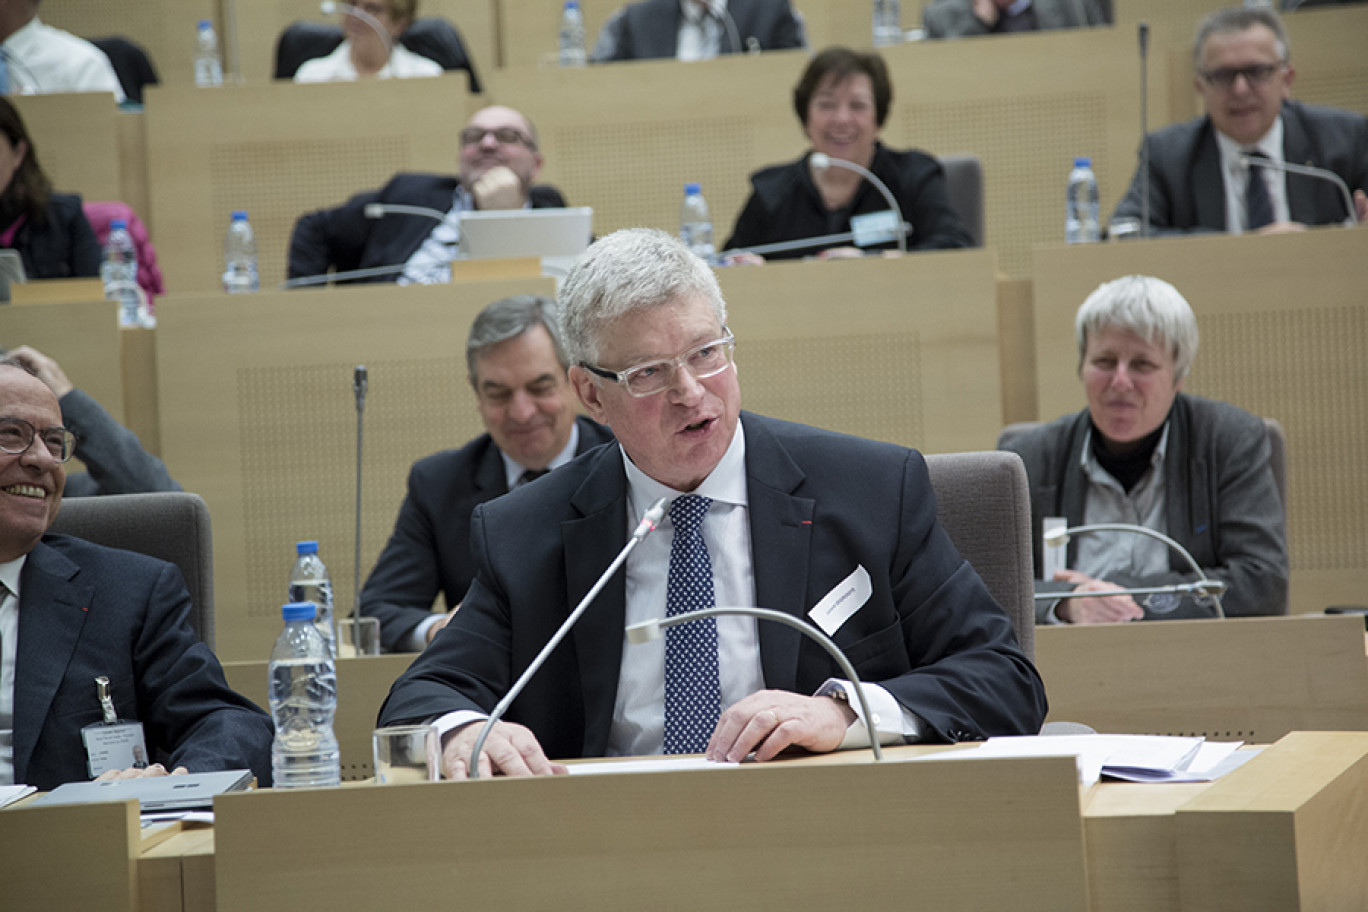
1304	194
781	540
489	474
590	543
1208	186
52	614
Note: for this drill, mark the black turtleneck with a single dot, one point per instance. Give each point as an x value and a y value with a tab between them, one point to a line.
1130	465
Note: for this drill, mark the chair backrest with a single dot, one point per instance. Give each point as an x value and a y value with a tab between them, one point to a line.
964	179
172	526
983	502
131	64
433	38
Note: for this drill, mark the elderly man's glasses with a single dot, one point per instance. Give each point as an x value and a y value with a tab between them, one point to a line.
651	377
17	435
506	136
1255	75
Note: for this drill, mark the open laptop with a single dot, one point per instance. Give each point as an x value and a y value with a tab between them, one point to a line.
188	792
526	232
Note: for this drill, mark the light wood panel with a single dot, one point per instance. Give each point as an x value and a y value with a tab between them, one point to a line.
260	22
957	836
83	337
1284	327
263	426
41	868
77	141
279	151
1240	679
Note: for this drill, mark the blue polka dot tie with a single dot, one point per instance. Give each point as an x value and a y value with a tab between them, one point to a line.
692	694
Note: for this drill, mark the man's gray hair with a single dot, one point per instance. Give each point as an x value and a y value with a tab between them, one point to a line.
509	318
632	269
1237	19
1149	307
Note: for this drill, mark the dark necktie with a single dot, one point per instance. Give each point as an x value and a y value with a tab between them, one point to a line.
531	475
693	697
1258	204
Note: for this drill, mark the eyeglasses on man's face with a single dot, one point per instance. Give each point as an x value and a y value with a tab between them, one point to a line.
17	435
506	136
1255	75
651	377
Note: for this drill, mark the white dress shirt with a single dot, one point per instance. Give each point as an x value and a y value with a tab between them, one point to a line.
338	66
700	30
9	642
1236	176
44	60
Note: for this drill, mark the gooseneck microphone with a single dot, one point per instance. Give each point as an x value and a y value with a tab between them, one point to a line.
329	7
649	521
360	382
1202	588
821	161
1143	30
654	628
1324	174
380	210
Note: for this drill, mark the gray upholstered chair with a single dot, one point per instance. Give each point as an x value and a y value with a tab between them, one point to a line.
172	526
983	503
964	179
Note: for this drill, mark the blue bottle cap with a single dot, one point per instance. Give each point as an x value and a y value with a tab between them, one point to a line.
692	188
205	23
572	4
299	611
118	224
239	215
1083	161
306	547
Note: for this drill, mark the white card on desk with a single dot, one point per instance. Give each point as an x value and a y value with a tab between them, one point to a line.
840	603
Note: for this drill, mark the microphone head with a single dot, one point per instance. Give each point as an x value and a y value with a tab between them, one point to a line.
360	379
327	7
374	210
1143	31
1056	537
644	632
819	160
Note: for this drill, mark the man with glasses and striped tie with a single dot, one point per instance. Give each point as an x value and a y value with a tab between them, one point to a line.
833	529
1257	161
99	666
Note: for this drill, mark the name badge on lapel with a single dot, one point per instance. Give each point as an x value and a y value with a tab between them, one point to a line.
111	744
837	606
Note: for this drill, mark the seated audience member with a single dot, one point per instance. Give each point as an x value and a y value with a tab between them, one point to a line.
49	230
364	53
962	18
517	370
1144	453
70	611
762	512
1198	177
842	101
114	456
42	60
499	160
697	30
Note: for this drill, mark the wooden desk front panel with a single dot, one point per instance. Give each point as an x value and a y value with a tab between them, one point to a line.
80	856
262	422
279	151
1284	328
625	138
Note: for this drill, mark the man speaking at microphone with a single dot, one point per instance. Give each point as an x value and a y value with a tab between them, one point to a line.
836	530
499	161
1203	174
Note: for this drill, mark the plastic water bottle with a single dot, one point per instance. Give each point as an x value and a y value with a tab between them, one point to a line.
303	695
309	583
119	272
572	35
239	256
695	223
208	64
1081	224
887	23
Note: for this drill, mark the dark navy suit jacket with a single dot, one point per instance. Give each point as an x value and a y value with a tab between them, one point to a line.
820	504
86	610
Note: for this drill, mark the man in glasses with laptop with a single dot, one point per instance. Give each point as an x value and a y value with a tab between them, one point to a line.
499	160
1229	170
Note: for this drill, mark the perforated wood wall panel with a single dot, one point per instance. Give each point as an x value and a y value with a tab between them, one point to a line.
1283	334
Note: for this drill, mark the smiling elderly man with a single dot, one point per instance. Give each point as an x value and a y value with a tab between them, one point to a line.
499	162
763	512
1199	179
71	611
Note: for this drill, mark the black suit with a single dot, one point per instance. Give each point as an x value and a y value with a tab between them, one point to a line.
930	633
429	550
343	239
62	247
650	30
86	610
1187	189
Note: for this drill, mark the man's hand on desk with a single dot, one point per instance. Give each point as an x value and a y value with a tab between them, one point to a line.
155	769
770	720
1104	609
510	749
